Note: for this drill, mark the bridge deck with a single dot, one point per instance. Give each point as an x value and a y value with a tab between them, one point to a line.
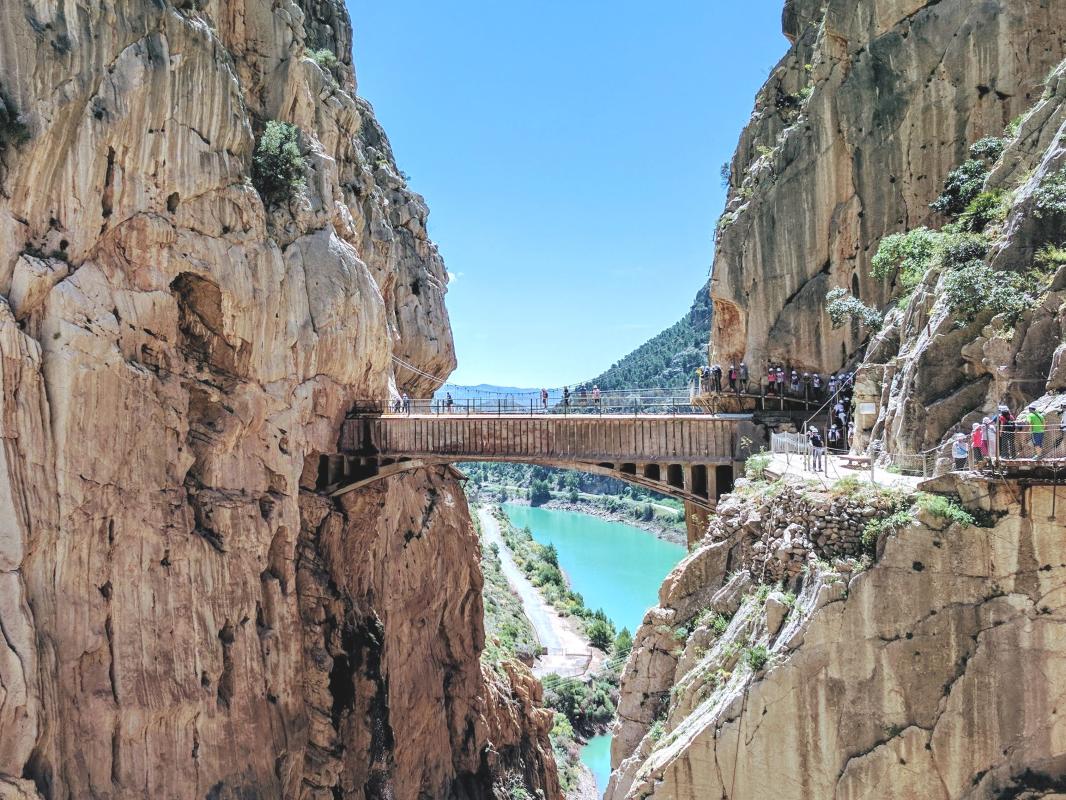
675	438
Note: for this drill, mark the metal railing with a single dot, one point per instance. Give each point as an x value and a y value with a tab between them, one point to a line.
646	401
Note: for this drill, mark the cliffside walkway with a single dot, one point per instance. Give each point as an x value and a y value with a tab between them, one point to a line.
689	456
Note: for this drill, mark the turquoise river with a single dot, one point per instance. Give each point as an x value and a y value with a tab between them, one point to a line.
615	567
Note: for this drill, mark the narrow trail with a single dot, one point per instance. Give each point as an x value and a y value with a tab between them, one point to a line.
569	654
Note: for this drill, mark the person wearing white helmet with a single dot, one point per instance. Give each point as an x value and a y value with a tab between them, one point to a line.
817	448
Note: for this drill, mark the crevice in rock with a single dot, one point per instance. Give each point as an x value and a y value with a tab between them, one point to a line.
226	680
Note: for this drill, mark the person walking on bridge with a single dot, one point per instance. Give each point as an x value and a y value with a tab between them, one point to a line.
405	401
732	377
744	377
544	399
448	402
771	379
566	397
596	396
816	383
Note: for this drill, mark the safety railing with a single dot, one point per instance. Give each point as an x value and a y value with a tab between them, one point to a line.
646	402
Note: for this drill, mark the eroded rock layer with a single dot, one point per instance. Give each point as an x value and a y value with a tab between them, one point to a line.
181	615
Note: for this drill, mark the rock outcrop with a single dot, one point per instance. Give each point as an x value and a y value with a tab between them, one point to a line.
181	615
934	673
851	139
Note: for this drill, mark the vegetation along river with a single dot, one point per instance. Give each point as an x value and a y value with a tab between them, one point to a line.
614	566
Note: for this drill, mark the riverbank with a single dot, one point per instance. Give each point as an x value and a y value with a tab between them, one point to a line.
565	649
568	653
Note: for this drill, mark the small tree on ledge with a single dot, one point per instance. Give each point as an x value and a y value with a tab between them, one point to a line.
841	306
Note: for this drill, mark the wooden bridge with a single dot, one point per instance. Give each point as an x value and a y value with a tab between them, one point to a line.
691	457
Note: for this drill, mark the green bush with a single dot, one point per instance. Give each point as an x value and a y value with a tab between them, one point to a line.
875	527
756	656
755	466
963	184
1014	127
989	148
946	508
976	288
842	305
279	170
1051	257
962	250
986	209
907	255
623	642
601	634
324	57
539	493
658	729
1050	198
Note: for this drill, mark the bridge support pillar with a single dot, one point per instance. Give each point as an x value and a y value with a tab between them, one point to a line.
697	519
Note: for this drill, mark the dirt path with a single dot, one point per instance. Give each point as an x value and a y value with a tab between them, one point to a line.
568	652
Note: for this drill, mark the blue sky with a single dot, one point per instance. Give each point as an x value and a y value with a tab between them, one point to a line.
570	155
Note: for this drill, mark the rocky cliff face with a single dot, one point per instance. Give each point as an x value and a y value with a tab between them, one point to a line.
935	673
778	664
851	139
182	616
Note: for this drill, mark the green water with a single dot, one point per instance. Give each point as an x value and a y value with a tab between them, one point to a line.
596	755
615	567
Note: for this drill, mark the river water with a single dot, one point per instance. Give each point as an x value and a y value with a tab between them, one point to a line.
613	566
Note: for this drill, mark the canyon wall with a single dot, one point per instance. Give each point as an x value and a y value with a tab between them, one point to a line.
935	672
182	616
851	138
858	646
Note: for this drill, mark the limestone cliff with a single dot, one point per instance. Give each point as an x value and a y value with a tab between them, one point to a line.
182	616
851	138
789	658
935	673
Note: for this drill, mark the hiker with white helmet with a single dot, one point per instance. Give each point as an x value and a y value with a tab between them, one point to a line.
817	448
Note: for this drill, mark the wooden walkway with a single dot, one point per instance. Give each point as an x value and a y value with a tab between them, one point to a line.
690	457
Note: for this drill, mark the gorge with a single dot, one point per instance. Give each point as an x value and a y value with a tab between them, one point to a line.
209	259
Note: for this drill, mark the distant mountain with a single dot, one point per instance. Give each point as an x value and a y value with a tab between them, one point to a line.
670	359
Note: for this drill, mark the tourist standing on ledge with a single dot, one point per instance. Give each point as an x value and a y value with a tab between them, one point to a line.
817	448
716	376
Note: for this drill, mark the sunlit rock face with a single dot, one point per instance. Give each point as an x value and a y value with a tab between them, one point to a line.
851	138
935	673
182	616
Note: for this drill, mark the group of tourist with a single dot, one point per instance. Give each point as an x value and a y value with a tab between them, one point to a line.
781	381
1007	436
